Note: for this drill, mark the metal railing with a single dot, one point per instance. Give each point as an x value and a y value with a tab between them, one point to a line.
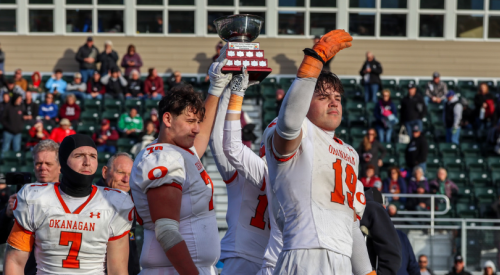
432	211
459	224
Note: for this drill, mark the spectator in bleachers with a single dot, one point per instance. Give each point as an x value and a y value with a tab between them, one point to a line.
49	110
392	210
30	109
105	138
37	133
35	86
5	101
370	151
416	151
70	110
385	113
95	89
443	185
87	56
468	118
459	267
77	87
489	268
56	85
371	179
11	88
145	138
19	80
64	130
452	115
154	118
418	180
131	61
423	264
413	109
370	77
436	90
218	48
108	58
419	203
394	184
176	80
2	60
3	82
115	84
153	85
484	106
130	124
135	85
13	124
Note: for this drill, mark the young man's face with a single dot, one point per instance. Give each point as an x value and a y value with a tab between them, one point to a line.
183	128
325	110
83	160
58	76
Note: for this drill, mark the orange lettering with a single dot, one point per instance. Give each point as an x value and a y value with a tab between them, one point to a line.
63	225
80	225
85	228
56	225
92	227
51	223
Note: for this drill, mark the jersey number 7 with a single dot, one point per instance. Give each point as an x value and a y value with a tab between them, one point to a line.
350	181
76	242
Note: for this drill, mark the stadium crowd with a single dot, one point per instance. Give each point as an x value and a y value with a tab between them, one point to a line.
35	109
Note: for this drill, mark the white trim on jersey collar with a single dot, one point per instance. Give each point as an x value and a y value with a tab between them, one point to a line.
330	133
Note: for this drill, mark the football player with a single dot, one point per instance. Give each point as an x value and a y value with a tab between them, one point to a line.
254	169
172	190
76	227
312	173
243	246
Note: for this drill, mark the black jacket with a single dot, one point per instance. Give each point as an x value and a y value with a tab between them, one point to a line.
409	265
108	61
413	108
84	52
12	119
454	272
383	241
30	109
374	74
2	56
135	87
416	151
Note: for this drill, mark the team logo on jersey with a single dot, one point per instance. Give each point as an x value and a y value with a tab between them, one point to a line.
98	215
199	166
157	173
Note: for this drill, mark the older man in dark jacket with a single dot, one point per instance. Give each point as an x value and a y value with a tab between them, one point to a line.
87	56
384	247
370	77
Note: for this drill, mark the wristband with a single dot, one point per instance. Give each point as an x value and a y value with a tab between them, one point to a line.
313	53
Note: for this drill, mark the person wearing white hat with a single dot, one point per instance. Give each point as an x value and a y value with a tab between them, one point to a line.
489	268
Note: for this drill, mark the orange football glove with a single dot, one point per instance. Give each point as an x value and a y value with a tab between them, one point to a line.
372	273
329	45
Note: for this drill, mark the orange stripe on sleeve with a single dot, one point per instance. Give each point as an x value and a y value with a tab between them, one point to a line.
21	238
119	236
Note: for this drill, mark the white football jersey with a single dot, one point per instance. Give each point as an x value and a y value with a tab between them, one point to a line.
248	220
159	164
72	242
315	188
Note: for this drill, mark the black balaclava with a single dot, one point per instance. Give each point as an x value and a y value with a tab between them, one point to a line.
74	183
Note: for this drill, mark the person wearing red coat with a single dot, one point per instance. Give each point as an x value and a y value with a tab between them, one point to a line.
371	180
64	130
37	133
153	85
105	138
70	110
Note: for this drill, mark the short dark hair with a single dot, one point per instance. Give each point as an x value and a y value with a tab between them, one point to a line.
328	80
182	99
58	71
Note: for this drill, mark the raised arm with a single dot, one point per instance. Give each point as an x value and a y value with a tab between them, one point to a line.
246	162
295	106
225	168
218	81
